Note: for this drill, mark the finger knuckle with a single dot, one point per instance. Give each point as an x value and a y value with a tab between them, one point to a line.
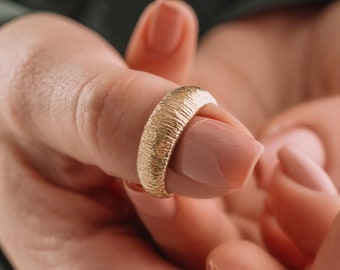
100	110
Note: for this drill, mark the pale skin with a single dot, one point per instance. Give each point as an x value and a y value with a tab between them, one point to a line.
60	206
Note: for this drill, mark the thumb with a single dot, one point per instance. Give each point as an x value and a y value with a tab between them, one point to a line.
164	40
70	95
312	128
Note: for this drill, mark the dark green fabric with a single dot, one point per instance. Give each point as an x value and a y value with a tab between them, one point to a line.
4	264
115	19
237	9
10	10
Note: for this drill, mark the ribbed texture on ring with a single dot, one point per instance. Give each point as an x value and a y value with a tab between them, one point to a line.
162	131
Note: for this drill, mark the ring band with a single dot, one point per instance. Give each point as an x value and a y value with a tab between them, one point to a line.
161	133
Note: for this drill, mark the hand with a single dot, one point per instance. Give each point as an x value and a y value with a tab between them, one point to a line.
267	79
71	117
267	88
208	71
293	58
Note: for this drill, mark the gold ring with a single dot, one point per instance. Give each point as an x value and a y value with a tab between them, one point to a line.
161	133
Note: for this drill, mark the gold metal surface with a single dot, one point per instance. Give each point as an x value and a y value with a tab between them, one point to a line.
162	131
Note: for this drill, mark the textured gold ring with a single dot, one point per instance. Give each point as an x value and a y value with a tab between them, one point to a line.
161	133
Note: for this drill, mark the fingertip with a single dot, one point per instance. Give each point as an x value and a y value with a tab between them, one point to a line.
301	204
304	170
304	139
211	159
164	40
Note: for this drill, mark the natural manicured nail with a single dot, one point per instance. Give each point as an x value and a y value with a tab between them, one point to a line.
305	171
216	154
302	138
165	28
148	205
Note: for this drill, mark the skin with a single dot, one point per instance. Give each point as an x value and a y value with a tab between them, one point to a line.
62	206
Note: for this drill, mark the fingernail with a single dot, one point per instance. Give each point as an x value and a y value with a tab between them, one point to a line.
303	139
165	28
148	205
305	171
216	154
